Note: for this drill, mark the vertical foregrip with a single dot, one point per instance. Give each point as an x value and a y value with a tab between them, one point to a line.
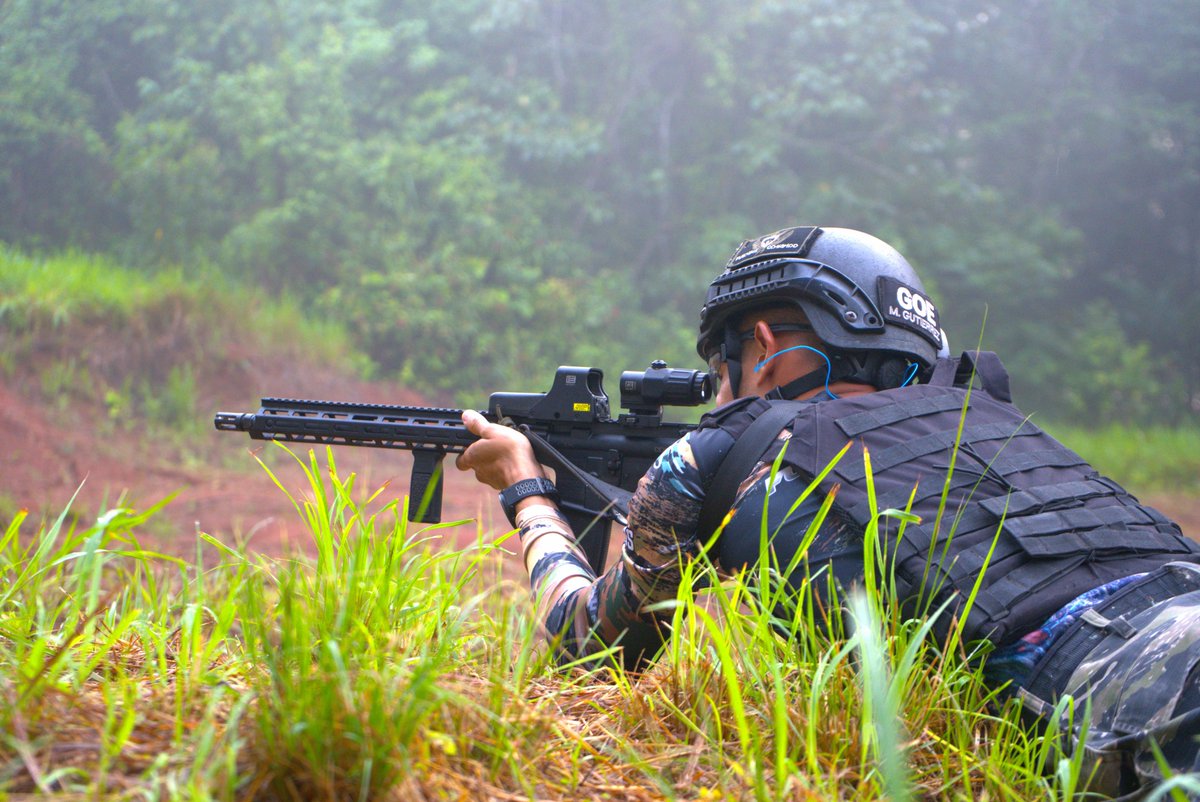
425	489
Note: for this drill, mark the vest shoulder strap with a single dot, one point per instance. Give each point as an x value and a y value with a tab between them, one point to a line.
747	450
983	365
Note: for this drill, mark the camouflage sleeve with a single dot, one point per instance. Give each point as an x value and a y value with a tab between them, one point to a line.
583	614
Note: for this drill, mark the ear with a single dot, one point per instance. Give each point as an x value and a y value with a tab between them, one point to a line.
765	338
768	346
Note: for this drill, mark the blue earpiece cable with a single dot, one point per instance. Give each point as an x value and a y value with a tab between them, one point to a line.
912	371
828	364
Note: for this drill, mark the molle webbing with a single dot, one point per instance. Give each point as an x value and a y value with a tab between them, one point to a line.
1045	524
937	443
898	499
1040	498
1003	464
992	612
1049	458
856	424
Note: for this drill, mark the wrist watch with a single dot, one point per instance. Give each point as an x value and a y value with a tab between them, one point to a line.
539	486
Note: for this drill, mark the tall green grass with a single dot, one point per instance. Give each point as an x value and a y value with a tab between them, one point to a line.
394	662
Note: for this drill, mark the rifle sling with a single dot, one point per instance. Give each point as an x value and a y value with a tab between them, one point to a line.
746	452
616	499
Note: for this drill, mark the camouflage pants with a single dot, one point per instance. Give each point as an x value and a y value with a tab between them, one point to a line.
1142	686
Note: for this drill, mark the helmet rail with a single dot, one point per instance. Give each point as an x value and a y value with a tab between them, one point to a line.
782	279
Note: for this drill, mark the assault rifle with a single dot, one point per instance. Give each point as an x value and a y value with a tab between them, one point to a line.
597	460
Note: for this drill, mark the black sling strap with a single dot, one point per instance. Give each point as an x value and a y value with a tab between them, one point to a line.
741	459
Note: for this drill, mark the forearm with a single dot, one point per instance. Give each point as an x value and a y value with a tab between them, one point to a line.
578	612
557	569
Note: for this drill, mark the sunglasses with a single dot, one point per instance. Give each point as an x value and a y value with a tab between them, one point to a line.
720	356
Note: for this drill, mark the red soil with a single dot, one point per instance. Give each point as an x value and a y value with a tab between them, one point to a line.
53	449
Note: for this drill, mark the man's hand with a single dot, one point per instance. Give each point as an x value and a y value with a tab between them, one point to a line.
500	457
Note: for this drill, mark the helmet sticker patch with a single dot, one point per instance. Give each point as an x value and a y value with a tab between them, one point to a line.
909	308
787	242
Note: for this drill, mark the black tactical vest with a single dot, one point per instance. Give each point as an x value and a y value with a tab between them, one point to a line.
1004	494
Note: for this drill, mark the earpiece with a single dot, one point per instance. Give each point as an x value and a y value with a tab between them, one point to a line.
893	373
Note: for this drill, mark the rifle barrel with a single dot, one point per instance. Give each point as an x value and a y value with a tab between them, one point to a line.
597	461
337	423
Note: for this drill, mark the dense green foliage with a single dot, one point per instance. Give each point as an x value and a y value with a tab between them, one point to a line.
482	189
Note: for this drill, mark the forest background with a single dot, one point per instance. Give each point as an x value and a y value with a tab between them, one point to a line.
480	190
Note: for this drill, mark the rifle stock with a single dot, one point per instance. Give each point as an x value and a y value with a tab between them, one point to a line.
597	459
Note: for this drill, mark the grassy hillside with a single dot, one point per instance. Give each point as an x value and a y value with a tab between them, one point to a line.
110	377
84	327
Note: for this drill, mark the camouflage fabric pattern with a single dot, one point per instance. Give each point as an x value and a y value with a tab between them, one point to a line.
582	614
1143	695
1013	663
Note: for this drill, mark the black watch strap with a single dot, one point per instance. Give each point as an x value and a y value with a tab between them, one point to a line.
525	488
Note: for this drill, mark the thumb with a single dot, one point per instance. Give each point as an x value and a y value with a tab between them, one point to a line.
476	424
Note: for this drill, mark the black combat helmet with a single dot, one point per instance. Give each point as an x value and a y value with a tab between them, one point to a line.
863	299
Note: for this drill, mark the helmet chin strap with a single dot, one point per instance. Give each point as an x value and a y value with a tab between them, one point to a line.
797	387
805	382
877	370
731	355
